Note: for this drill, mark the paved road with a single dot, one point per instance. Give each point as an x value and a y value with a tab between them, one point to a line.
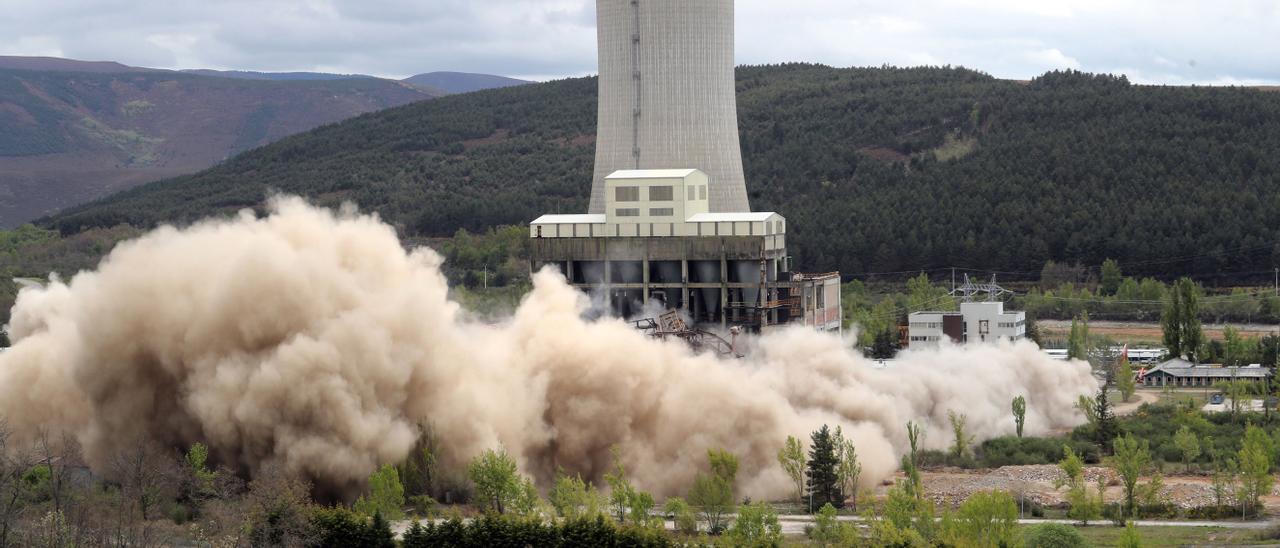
795	524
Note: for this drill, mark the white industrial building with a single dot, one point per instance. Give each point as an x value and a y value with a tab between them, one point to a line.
976	322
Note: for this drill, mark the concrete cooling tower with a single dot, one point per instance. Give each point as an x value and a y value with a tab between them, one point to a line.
667	95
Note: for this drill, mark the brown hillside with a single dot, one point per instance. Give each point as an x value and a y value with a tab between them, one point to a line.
69	137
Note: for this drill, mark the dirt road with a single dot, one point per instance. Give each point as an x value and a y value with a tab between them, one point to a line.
1146	332
1139	397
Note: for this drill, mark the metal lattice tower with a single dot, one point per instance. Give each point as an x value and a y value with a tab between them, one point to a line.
968	290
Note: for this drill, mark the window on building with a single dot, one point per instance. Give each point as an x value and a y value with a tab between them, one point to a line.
693	193
626	193
984	327
779	227
702	192
661	212
627	212
661	193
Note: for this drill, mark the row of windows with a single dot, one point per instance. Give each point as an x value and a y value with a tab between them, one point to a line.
1011	325
657	193
663	193
927	325
653	212
930	338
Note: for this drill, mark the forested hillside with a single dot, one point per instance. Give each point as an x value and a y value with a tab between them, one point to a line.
878	169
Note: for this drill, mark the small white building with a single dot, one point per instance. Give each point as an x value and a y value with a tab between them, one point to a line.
976	322
658	203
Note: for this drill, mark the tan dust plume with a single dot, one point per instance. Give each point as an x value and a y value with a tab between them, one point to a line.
311	339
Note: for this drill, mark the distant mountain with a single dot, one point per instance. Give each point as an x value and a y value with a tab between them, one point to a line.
72	131
278	76
66	65
463	82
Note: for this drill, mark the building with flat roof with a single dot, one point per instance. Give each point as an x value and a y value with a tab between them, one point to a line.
975	322
1180	372
657	245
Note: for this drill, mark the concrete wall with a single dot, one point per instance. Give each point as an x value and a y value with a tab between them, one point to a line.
670	96
993	313
680	205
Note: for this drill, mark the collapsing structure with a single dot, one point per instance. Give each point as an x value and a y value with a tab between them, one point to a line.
669	224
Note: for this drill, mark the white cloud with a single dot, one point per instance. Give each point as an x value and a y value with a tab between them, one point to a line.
1170	41
1051	59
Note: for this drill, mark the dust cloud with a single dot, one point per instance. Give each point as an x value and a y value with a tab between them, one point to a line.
312	340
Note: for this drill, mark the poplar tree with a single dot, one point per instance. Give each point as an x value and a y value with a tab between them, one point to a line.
1019	413
1180	320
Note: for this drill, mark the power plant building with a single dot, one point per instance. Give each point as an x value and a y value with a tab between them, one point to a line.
669	225
976	322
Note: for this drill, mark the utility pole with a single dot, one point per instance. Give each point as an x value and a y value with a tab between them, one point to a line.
1278	281
486	277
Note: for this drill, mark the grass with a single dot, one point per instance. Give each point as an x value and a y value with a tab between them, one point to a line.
1176	536
955	148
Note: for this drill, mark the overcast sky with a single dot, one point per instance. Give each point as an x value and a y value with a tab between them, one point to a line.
1153	41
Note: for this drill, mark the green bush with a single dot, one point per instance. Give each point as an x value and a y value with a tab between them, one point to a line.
339	527
497	530
1054	535
1212	512
1010	451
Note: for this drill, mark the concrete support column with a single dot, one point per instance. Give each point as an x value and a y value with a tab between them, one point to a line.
644	266
568	271
724	287
608	277
684	284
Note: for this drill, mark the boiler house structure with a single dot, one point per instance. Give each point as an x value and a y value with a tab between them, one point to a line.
669	225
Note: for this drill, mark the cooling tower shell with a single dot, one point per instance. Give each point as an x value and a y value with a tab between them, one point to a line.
667	94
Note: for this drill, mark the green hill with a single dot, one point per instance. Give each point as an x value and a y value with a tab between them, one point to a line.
878	169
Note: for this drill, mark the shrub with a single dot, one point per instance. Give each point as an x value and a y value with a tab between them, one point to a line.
1212	512
682	515
1054	535
338	527
500	530
757	526
1011	451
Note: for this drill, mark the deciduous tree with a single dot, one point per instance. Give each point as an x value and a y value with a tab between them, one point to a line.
1130	460
791	458
1188	444
1019	413
713	494
496	480
385	496
960	438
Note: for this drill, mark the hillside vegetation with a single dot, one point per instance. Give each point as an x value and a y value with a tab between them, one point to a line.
69	137
879	170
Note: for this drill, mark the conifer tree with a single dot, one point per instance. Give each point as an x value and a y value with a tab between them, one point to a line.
823	484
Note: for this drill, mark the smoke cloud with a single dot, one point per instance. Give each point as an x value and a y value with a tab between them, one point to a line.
312	340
